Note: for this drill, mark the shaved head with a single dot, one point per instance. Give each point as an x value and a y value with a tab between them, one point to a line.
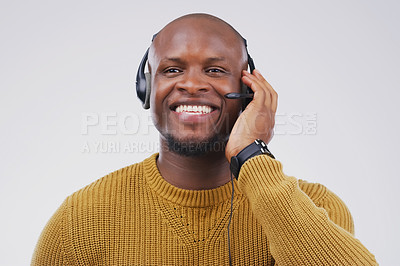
202	26
201	17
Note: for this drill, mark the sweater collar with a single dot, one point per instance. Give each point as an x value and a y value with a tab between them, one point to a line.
184	197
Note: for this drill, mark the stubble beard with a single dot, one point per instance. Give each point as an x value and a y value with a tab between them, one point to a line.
196	148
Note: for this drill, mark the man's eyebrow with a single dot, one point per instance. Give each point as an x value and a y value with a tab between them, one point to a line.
174	59
215	59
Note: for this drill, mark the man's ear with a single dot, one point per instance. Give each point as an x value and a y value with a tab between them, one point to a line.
146	104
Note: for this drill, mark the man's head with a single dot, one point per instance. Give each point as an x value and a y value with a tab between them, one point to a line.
194	61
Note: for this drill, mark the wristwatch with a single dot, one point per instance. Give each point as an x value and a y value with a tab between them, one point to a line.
256	148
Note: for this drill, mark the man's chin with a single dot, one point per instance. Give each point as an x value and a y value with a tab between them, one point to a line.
195	147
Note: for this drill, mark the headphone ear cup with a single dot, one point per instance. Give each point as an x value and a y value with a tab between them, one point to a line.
146	103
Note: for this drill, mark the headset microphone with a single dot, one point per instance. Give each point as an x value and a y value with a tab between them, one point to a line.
234	95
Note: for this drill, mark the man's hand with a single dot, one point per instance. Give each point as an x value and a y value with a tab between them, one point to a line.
258	119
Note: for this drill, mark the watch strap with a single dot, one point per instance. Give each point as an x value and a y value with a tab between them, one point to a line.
256	148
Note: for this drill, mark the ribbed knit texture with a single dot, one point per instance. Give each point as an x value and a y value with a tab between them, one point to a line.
134	217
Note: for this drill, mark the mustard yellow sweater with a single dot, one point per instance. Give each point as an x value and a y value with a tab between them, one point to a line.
134	217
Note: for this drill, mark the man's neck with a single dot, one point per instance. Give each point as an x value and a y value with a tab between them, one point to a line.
196	172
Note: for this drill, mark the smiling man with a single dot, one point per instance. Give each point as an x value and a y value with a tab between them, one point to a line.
193	65
178	207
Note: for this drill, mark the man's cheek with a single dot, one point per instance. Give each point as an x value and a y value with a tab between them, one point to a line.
159	118
228	121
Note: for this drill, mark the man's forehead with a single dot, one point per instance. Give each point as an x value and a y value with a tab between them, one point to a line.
201	41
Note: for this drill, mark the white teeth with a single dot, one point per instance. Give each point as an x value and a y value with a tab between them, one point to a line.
194	109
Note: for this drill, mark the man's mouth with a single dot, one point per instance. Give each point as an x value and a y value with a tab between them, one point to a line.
194	109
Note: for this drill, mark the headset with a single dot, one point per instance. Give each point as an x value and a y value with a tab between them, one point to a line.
143	82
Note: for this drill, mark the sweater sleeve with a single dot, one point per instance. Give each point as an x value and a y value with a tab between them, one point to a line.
50	249
300	231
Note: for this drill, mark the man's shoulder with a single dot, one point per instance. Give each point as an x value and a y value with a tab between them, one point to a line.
319	193
117	183
326	199
316	191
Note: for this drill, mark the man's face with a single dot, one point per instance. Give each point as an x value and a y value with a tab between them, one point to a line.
192	67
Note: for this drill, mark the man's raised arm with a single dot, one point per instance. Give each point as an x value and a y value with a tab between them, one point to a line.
300	232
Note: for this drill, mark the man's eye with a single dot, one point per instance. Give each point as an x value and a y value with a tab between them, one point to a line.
172	70
215	70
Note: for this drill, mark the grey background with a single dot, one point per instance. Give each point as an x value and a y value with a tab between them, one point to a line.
62	60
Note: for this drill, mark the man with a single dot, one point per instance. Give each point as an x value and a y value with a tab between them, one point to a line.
174	208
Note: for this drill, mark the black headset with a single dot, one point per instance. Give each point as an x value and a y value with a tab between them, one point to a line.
143	81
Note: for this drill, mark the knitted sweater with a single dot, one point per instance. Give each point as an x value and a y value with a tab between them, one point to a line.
134	217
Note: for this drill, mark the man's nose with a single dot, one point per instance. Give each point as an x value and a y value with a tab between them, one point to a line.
193	83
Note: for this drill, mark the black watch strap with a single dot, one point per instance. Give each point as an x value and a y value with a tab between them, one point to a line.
256	148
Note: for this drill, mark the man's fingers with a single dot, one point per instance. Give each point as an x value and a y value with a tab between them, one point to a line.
256	87
274	94
262	89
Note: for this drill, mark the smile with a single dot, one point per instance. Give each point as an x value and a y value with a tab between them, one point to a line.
194	109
